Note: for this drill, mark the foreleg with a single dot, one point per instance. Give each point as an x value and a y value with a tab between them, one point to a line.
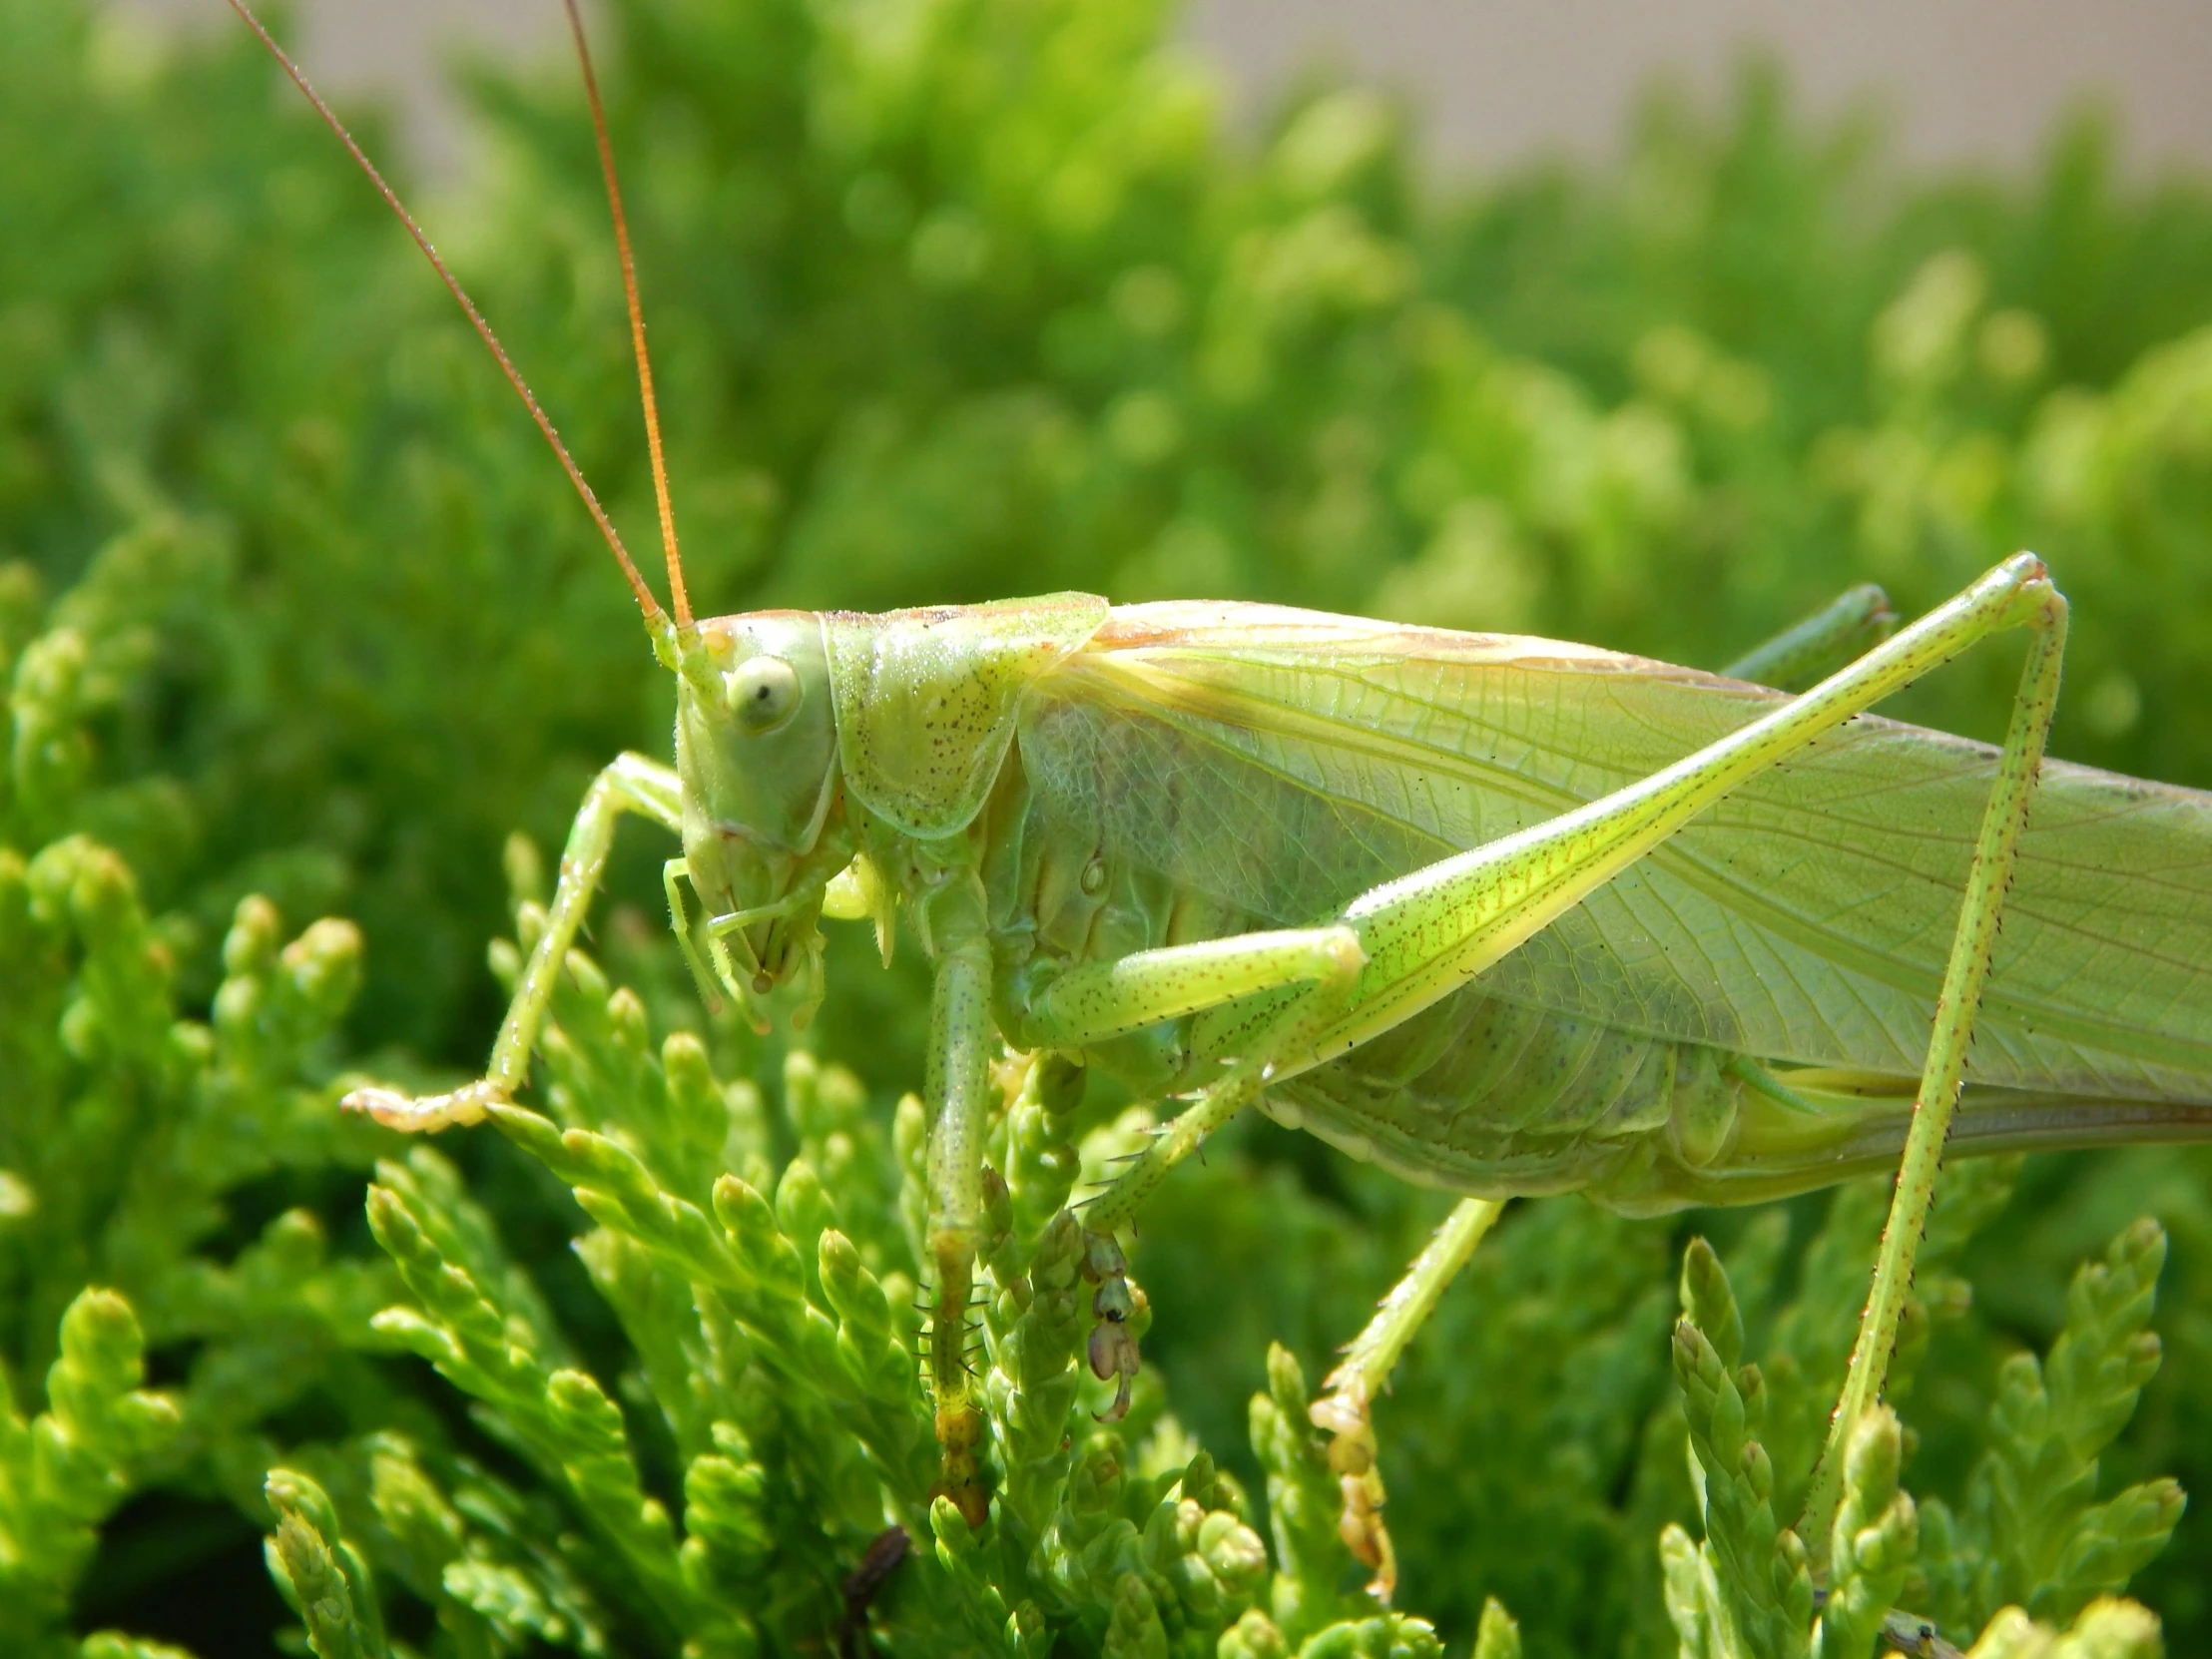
631	784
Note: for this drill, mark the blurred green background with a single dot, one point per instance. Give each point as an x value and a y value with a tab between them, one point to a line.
980	298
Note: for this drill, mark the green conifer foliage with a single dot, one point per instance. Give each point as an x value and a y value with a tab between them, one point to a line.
953	301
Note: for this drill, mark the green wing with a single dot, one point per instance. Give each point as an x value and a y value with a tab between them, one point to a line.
1282	761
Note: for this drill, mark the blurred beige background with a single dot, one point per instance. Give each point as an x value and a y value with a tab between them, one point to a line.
1975	81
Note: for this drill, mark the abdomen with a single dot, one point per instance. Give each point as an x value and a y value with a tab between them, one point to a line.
1486	1096
1478	1094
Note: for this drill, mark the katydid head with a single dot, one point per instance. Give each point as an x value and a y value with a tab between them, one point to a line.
756	734
757	750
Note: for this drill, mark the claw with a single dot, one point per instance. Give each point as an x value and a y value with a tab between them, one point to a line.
1113	1352
430	1113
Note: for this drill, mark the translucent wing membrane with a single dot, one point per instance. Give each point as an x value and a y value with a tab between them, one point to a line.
1281	760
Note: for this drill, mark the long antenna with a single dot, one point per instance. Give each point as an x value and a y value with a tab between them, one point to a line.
646	602
637	323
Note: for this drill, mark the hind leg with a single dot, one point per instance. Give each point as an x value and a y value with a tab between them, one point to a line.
1343	1409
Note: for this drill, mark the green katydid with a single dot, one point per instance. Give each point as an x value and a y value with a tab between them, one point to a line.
1507	915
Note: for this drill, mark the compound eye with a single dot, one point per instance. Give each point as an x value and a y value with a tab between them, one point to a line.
763	692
